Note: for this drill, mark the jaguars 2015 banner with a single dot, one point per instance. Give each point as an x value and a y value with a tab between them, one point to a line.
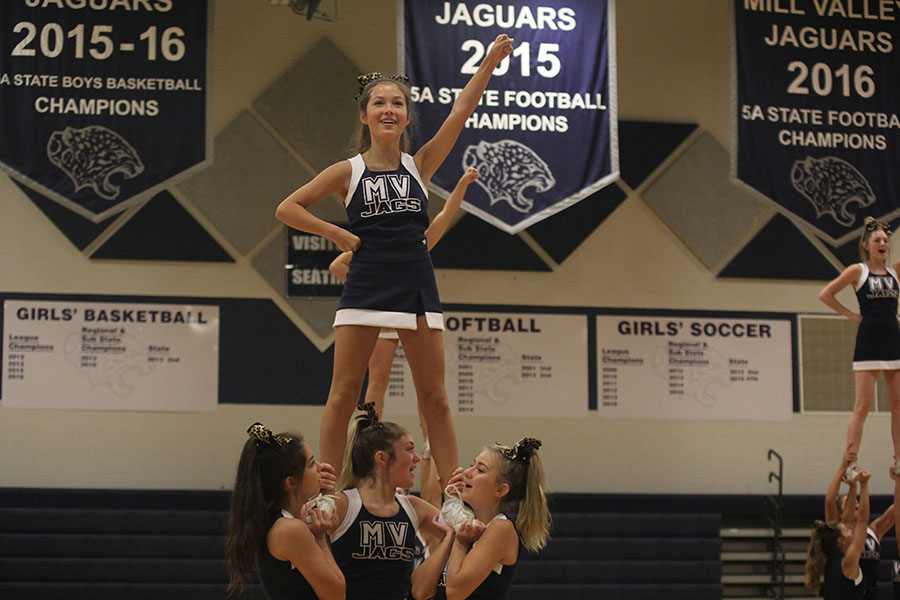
817	85
103	103
545	134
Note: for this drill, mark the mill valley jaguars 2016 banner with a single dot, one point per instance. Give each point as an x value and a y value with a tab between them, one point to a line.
545	133
103	103
817	90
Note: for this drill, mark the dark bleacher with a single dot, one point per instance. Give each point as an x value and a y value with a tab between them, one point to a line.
131	544
605	549
113	544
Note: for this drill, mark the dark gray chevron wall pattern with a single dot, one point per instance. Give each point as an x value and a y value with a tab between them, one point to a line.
680	171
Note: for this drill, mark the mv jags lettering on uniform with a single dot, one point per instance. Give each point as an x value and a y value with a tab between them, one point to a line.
377	199
882	286
872	548
383	540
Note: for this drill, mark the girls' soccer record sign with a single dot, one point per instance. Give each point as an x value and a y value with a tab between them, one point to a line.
545	133
103	103
692	367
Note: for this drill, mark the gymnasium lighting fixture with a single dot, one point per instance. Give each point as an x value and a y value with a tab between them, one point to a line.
312	9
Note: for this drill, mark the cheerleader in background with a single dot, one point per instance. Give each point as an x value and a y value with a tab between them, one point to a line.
843	508
834	551
878	334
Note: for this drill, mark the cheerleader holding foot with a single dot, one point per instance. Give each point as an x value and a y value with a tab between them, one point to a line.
895	509
271	529
835	504
834	551
878	335
391	280
843	509
374	543
486	549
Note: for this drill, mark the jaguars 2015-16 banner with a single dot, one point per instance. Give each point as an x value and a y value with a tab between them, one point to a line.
545	133
817	90
103	103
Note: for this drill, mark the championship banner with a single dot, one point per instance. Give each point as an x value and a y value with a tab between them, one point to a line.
110	356
545	133
308	257
817	85
103	103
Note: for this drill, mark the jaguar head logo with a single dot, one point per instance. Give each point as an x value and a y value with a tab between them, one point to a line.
506	169
832	185
91	156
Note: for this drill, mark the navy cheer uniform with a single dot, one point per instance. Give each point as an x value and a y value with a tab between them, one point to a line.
494	586
895	578
838	587
376	553
869	561
391	277
878	336
279	578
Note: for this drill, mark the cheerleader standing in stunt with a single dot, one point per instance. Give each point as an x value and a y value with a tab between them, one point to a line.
878	336
391	279
386	347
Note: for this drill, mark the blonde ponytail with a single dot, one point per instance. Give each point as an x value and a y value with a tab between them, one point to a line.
521	468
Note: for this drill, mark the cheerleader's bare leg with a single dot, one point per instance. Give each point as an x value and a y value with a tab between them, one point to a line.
865	391
892	379
424	349
380	372
430	489
353	346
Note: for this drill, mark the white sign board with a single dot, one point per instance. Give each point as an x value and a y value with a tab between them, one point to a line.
506	365
694	368
110	356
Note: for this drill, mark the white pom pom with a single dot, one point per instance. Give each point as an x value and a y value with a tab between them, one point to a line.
454	513
323	502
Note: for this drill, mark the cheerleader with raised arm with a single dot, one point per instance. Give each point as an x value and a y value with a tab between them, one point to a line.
832	557
842	508
382	358
390	282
